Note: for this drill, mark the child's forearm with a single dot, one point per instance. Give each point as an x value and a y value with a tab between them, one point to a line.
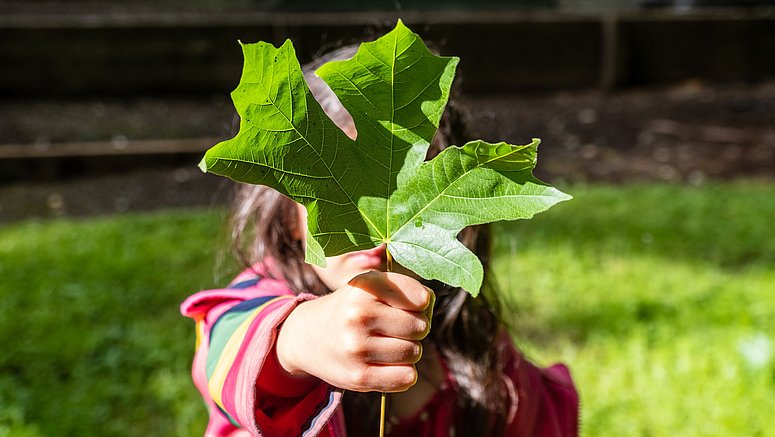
290	343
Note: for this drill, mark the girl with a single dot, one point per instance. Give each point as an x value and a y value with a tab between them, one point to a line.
291	349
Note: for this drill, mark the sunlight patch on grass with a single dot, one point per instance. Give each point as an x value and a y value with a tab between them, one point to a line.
664	337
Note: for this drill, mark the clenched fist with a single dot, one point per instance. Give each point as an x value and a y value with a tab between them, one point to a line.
365	336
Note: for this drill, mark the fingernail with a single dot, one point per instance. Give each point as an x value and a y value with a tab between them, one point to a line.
432	300
429	310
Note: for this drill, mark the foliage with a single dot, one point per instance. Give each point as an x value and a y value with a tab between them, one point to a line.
376	189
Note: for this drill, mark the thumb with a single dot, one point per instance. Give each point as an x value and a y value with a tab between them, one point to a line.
394	289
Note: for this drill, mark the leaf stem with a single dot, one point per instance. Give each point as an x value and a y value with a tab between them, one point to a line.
383	398
389	260
382	408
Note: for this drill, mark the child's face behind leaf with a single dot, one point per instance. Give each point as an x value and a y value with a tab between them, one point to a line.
340	269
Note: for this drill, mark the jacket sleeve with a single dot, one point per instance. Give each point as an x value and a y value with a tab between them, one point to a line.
546	403
236	369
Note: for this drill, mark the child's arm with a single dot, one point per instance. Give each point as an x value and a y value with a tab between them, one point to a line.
233	366
352	337
363	337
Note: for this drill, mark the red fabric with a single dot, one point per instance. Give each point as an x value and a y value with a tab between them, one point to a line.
547	401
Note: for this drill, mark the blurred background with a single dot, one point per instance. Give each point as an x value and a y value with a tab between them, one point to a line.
655	284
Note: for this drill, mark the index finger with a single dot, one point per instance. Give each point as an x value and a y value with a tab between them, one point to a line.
394	289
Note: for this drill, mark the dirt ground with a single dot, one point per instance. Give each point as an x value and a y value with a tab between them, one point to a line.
685	134
689	133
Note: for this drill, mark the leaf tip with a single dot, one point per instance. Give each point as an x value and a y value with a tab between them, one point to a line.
402	27
474	286
203	165
288	44
313	252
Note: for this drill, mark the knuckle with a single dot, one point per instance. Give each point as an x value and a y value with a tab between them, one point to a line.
353	346
360	377
355	316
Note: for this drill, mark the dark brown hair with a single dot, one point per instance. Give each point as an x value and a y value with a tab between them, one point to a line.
465	330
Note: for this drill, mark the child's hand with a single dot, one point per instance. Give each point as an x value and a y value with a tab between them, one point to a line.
364	336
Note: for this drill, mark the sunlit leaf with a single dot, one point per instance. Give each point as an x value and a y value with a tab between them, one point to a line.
377	188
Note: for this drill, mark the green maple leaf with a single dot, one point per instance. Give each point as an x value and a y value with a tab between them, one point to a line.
377	188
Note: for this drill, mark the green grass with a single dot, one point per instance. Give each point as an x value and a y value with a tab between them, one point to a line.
93	342
660	298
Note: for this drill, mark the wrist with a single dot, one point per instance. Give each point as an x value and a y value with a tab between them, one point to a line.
290	340
276	380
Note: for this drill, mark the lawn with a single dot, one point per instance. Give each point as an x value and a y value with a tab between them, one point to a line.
660	298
